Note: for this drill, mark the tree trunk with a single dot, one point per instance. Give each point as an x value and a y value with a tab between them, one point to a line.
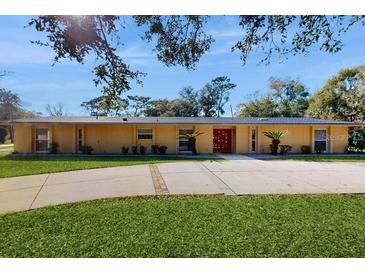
275	147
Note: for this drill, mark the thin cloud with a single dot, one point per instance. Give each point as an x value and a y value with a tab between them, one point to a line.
226	33
14	54
135	52
136	55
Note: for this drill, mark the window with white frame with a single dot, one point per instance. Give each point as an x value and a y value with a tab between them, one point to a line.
320	139
184	144
144	134
41	139
253	140
80	138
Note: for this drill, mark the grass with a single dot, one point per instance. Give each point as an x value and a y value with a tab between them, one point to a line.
29	165
204	226
320	158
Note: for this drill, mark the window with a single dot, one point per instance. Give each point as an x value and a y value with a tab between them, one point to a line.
79	138
253	140
184	144
144	134
320	139
41	140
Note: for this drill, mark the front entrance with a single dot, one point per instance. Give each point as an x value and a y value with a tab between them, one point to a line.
222	140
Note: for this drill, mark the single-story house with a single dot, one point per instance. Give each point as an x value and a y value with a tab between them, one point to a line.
220	135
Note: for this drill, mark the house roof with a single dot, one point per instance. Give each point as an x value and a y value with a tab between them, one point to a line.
178	120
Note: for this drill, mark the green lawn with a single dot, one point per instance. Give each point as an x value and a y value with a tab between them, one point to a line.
204	226
28	165
320	158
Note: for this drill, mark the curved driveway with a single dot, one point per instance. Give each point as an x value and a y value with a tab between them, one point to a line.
236	176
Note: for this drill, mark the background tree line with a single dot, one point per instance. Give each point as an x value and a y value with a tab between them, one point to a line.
341	98
209	101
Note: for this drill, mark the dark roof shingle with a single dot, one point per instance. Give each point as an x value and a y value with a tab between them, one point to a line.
177	120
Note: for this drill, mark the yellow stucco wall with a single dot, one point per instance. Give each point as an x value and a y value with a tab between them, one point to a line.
242	139
23	138
204	142
110	138
165	135
338	138
64	135
297	136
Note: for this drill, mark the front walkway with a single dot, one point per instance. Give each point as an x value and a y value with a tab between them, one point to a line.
236	176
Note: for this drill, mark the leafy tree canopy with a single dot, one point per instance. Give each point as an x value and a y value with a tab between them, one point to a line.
208	101
285	35
159	107
182	40
138	104
290	96
214	95
105	106
286	98
260	107
10	107
342	97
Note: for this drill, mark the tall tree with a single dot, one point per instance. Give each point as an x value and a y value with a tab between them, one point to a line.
214	95
291	97
342	97
105	106
138	104
190	99
10	108
10	105
259	107
159	107
286	98
56	109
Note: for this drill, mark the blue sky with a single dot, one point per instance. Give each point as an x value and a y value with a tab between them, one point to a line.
38	83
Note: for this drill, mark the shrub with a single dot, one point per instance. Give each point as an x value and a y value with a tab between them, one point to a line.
275	137
134	149
125	150
352	149
86	149
357	139
192	140
305	149
284	149
142	149
162	149
154	149
319	148
54	148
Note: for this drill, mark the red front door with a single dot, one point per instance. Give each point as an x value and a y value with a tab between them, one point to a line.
222	140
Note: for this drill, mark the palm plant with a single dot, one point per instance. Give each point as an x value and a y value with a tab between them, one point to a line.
275	136
192	140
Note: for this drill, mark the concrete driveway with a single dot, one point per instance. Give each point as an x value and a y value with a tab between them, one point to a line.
236	176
